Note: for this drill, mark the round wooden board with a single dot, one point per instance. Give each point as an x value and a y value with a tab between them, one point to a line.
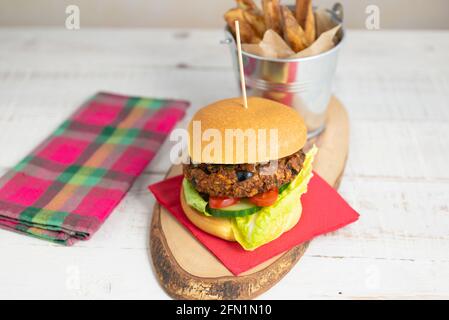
187	270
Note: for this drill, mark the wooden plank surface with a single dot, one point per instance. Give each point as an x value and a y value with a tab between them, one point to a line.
397	175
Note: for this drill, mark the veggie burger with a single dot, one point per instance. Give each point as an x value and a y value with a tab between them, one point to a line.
238	192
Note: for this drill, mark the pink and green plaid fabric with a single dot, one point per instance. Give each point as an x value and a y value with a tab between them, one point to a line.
66	188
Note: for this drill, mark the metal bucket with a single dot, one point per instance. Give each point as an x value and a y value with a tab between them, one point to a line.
303	83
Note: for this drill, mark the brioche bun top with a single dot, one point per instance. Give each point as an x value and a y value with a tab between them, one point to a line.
232	115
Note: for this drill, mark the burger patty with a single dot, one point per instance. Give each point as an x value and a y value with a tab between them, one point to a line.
243	180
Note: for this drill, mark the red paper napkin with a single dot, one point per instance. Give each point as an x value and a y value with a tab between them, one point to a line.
324	210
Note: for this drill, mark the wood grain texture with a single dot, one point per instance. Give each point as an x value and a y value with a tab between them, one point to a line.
396	175
180	284
187	270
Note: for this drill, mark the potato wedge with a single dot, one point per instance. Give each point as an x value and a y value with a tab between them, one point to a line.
256	21
247	33
306	18
272	15
294	35
301	11
247	5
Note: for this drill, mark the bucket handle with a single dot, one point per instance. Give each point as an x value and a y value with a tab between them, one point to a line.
337	12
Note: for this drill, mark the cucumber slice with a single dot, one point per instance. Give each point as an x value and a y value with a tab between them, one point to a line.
283	187
241	209
243	204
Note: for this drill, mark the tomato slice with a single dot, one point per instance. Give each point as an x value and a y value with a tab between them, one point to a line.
265	199
221	202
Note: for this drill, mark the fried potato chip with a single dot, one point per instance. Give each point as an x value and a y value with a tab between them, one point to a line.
293	32
306	19
247	33
272	15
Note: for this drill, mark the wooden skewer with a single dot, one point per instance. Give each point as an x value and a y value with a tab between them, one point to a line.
242	75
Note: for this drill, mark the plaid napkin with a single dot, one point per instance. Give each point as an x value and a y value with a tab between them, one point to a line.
66	188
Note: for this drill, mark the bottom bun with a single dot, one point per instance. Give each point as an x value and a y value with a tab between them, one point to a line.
219	227
222	227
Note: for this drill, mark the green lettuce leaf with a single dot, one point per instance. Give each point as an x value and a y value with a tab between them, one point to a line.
270	222
193	198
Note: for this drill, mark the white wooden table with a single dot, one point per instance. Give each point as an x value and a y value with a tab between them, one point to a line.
395	86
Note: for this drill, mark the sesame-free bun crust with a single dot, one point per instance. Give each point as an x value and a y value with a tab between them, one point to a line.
222	227
260	114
